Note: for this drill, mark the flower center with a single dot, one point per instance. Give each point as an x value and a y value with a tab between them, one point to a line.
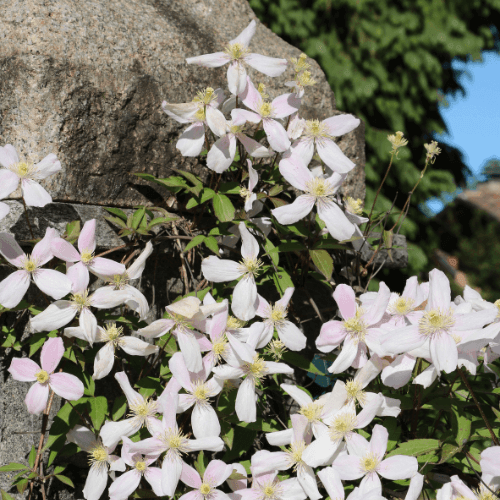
277	349
23	169
436	321
236	51
113	332
300	64
245	193
319	188
87	256
369	462
278	314
295	454
355	391
140	466
354	206
81	300
251	266
261	89
30	265
497	304
205	489
176	442
257	369
234	323
200	115
120	280
219	348
141	411
312	411
265	109
317	130
236	129
98	455
356	327
305	79
205	96
200	392
342	425
401	306
272	490
42	376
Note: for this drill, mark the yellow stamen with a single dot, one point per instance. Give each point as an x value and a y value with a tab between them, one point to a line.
87	256
355	327
342	425
436	321
98	456
23	169
265	109
261	89
369	462
42	376
397	142
312	411
245	193
200	392
401	306
355	391
319	188
120	280
305	79
200	115
140	466
81	300
251	266
317	130
234	323
30	265
219	348
354	206
295	454
205	96
257	369
205	489
236	51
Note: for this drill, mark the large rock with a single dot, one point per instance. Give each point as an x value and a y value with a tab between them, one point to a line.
85	80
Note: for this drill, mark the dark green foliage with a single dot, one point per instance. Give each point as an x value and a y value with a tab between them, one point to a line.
389	62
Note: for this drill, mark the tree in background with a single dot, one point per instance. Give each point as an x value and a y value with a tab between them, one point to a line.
389	62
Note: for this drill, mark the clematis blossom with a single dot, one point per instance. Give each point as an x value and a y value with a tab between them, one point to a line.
127	483
317	191
79	263
490	466
215	474
356	331
200	112
167	438
267	113
237	54
247	194
29	174
63	384
49	281
244	303
101	461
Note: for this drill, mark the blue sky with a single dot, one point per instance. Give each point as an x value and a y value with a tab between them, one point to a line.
473	120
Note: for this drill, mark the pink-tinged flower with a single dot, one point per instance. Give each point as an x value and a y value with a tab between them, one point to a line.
321	134
167	438
238	479
113	337
63	384
204	420
62	312
275	317
440	326
317	191
248	194
100	458
490	466
341	425
456	489
29	174
127	483
237	54
268	486
143	413
223	151
244	303
120	282
202	111
215	474
292	458
13	288
295	126
248	364
356	331
79	263
186	315
367	462
268	113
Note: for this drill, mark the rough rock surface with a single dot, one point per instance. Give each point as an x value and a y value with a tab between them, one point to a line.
85	80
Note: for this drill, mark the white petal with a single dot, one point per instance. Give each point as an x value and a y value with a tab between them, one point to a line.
205	422
13	288
53	283
96	483
236	78
249	245
57	315
104	360
246	407
112	432
191	141
34	194
270	66
245	298
337	223
292	213
214	60
137	347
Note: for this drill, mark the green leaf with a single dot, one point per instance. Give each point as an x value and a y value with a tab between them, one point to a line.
211	244
229	188
463	427
149	386
12	467
32	456
272	251
207	194
72	231
36	341
448	452
275	190
67	417
65	480
162	220
6	496
291	246
282	280
223	208
197	240
138	217
197	184
416	447
201	463
329	244
192	202
119	408
278	202
98	410
116	211
323	261
296	359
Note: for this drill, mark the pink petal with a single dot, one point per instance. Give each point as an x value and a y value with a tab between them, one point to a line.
341	124
285	105
376	311
11	250
190	476
86	240
48	166
214	60
57	315
34	194
301	429
337	223
263	307
196	495
217	472
378	442
133	397
8	155
253	176
332	155
371	487
246	35
304	148
23	369
52	353
276	135
346	300
254	148
289	214
67	386
204	422
65	250
103	361
398	467
367	414
439	291
191	141
241	116
88	324
331	335
171	471
346	357
249	245
399	372
106	267
79	277
444	352
13	288
37	397
123	486
157	328
222	153
270	66
295	172
252	99
179	370
104	298
42	251
53	283
8	182
474	320
404	340
153	477
273	368
182	113
236	78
